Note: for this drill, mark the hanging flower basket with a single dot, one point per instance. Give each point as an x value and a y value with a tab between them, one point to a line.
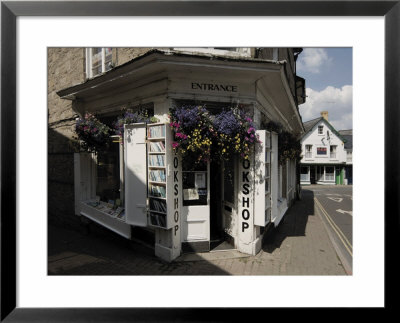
202	137
193	132
236	134
131	117
93	134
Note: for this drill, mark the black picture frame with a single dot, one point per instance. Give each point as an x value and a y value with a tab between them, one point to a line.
10	10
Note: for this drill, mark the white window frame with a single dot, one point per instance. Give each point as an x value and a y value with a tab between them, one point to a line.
89	56
275	54
320	133
333	154
308	151
238	52
326	174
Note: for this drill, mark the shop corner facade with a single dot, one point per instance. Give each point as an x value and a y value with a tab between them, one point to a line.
189	209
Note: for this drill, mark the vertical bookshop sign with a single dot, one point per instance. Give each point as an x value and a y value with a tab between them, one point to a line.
176	194
246	214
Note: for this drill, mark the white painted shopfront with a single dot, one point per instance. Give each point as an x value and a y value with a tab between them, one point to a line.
324	156
188	208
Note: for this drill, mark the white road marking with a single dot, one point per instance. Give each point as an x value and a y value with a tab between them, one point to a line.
336	199
343	212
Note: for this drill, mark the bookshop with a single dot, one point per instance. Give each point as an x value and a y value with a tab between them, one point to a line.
176	145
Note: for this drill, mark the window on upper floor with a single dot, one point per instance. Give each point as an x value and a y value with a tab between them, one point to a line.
333	151
229	51
98	60
308	151
320	130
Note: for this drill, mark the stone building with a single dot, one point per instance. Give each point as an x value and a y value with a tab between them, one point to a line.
104	81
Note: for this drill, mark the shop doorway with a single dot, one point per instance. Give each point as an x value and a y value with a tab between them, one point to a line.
222	197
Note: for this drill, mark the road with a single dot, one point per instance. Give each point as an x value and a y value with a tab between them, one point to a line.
334	204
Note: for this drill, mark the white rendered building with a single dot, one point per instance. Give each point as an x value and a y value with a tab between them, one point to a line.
323	153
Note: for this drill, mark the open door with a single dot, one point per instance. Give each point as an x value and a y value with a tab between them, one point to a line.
135	174
228	225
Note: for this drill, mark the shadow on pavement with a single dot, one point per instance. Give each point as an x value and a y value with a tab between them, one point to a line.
293	223
98	251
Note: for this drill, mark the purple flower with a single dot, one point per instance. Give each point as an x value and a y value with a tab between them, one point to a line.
226	123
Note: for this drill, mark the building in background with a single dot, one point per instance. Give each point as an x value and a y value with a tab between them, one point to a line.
324	156
348	147
183	208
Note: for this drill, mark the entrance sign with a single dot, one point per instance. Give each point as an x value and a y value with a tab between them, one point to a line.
214	87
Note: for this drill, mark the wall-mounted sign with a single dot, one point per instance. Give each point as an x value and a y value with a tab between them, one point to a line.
176	192
214	87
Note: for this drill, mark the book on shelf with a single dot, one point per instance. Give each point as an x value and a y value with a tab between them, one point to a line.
156	160
158	219
157	191
156	131
158	205
157	175
157	147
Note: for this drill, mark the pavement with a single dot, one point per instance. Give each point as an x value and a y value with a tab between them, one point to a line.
300	245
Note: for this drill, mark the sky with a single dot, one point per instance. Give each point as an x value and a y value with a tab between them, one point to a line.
329	84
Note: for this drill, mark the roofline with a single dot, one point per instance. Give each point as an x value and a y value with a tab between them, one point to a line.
329	125
167	52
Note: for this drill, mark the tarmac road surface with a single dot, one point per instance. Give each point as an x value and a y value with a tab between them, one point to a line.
334	203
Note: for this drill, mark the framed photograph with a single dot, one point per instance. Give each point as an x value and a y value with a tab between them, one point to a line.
63	24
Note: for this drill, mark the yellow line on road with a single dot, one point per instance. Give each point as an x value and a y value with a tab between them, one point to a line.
340	234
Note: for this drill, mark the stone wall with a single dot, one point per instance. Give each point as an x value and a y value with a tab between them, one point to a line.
123	55
66	67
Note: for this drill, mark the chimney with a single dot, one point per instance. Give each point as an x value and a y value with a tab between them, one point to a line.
324	114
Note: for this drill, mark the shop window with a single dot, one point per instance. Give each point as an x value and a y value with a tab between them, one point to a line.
329	173
108	183
194	178
98	60
291	174
320	130
304	173
320	173
279	182
110	163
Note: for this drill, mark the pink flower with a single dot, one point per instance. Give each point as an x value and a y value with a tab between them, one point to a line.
174	144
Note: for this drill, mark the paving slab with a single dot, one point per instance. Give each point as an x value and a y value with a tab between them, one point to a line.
300	245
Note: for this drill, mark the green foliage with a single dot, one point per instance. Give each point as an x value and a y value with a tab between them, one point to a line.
289	146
